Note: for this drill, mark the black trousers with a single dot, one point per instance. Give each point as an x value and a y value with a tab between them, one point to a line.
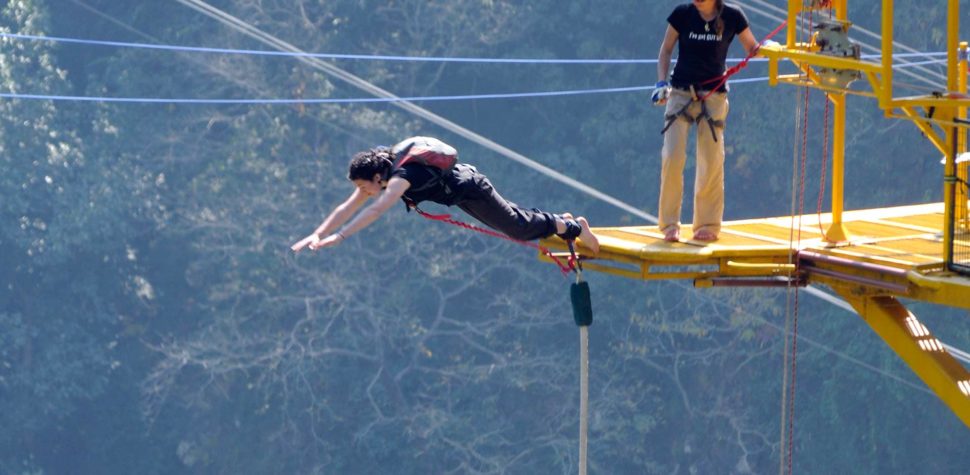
479	199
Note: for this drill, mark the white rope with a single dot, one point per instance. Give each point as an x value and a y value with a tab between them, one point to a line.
583	395
783	420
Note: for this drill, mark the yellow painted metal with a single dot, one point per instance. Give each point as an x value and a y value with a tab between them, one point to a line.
794	8
772	72
841	10
949	186
906	238
961	213
837	231
952	43
762	267
939	288
917	346
926	127
875	81
885	93
870	257
930	101
803	57
806	81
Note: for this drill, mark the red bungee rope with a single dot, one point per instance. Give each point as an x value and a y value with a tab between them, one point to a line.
801	212
564	268
738	67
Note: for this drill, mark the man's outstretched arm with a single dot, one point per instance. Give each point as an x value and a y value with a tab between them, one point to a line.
343	212
395	189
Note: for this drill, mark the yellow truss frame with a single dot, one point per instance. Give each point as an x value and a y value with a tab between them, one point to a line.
853	255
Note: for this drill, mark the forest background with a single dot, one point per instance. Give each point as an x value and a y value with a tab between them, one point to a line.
153	320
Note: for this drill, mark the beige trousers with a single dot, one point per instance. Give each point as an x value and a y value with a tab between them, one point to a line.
709	179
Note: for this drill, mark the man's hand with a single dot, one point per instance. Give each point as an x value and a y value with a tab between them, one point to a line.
661	91
307	241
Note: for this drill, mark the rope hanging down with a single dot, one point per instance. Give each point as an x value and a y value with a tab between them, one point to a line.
582	313
792	372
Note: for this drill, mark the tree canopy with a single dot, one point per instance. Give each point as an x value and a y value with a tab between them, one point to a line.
154	320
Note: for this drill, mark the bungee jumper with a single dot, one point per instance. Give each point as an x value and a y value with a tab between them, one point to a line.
426	169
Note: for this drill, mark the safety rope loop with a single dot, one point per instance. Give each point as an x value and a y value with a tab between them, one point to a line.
738	67
574	261
446	218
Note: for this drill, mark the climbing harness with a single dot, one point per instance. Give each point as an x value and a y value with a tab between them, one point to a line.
720	80
703	115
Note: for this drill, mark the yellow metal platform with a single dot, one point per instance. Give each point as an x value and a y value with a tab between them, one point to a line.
898	251
870	258
891	253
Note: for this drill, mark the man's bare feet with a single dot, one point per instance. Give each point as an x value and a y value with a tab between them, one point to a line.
587	237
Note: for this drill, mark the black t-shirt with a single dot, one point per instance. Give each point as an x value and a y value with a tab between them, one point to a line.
701	51
419	176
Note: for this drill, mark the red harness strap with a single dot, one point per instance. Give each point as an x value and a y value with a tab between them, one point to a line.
738	67
564	268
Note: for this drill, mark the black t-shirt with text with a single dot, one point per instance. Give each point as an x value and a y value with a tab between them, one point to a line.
702	52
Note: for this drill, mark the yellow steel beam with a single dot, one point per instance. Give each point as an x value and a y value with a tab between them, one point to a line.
815	59
926	126
962	192
949	194
802	81
837	231
952	43
886	91
943	102
938	119
943	290
841	10
875	81
794	8
914	343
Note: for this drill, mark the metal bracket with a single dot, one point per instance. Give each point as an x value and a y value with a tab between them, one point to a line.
816	4
832	39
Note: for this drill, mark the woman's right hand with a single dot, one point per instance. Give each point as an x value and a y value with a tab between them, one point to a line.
661	91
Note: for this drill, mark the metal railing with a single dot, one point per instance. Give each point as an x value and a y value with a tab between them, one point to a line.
960	244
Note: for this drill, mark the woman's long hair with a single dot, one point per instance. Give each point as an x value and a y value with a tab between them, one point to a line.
718	21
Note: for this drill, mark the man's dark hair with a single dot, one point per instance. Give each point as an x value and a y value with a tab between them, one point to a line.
366	164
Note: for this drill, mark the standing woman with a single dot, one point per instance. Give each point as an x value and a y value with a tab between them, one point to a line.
703	31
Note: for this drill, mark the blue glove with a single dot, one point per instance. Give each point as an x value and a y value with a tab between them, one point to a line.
661	91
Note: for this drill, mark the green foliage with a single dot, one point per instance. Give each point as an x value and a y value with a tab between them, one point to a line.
155	321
